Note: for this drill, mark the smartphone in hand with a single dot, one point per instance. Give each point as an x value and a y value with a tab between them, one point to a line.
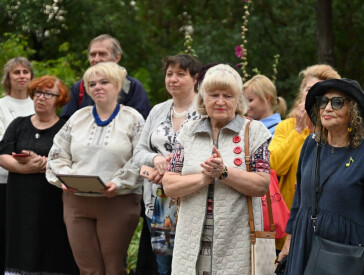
281	266
146	171
20	155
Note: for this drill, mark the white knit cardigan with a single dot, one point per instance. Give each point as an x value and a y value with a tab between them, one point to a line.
231	241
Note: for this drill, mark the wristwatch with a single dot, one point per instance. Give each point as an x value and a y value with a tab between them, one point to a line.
224	174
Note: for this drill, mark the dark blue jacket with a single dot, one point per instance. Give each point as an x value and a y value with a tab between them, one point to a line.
134	96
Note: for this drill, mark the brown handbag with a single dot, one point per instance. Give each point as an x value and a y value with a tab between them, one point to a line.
262	242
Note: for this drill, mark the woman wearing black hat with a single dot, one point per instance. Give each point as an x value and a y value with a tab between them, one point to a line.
336	108
290	134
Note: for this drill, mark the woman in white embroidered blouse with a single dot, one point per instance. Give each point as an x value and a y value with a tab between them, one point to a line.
100	140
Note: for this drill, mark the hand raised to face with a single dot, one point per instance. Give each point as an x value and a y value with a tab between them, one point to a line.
301	118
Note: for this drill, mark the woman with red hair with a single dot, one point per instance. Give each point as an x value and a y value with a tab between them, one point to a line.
36	238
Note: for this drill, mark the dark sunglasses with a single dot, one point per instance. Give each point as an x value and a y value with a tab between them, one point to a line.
46	95
337	102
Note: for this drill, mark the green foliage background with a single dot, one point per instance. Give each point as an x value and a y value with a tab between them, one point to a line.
55	34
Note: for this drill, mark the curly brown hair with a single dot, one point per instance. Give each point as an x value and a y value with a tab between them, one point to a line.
356	136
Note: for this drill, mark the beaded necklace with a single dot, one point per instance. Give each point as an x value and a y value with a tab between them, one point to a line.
178	115
103	123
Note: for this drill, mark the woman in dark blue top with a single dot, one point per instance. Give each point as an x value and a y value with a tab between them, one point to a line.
336	108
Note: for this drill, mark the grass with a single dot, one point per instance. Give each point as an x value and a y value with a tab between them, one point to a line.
133	249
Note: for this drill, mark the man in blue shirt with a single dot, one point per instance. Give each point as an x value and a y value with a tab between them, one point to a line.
101	49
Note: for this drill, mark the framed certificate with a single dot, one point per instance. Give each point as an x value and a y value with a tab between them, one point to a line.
83	183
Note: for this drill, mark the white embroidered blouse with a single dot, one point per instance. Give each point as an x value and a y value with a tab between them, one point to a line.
83	148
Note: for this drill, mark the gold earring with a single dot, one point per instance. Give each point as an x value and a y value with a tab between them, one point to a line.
350	129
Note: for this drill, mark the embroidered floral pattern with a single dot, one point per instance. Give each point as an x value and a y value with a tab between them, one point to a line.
260	160
65	132
99	136
176	162
137	129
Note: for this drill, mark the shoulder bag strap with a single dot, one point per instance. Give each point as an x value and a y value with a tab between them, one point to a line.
250	199
270	212
315	185
315	182
271	126
247	164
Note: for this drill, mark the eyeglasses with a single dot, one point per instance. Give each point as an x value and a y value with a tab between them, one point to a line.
46	95
337	102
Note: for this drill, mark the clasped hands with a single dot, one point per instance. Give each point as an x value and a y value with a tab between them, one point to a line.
34	163
214	165
160	164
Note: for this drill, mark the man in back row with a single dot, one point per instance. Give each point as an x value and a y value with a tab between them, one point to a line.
101	49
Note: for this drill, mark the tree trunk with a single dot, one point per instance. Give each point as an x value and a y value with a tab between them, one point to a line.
324	32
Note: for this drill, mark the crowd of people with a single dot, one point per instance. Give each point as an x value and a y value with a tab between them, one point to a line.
180	165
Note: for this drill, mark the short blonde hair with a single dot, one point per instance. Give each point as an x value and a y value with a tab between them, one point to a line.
222	77
265	89
110	70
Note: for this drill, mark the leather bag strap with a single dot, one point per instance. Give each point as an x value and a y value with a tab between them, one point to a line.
316	188
270	212
247	164
250	199
314	184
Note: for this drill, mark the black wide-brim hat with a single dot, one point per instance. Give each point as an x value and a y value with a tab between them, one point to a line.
344	85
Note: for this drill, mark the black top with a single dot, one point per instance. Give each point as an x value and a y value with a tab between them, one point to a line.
36	238
341	204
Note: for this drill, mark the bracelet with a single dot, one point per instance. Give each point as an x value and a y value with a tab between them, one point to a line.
224	174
